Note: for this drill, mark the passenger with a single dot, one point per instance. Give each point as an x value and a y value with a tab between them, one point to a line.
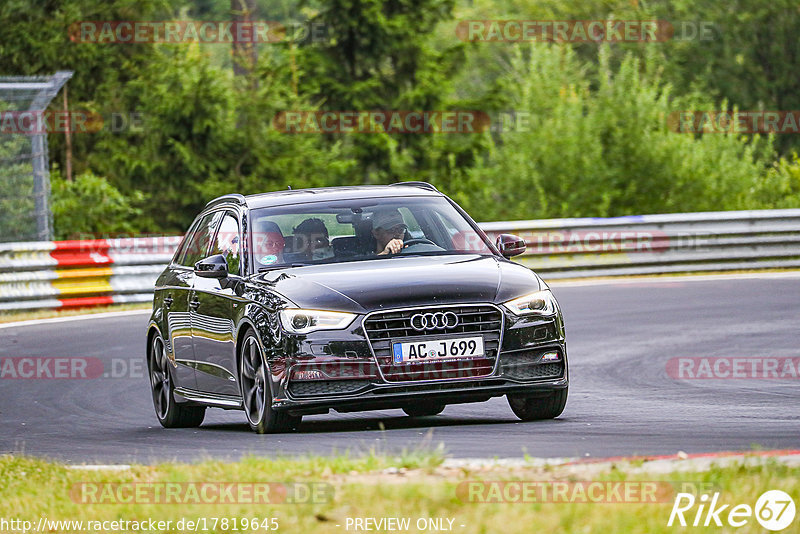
268	243
389	230
312	241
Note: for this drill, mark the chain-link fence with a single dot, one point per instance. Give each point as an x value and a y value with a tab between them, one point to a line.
24	173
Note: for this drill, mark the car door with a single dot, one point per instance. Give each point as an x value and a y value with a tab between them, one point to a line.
177	294
214	306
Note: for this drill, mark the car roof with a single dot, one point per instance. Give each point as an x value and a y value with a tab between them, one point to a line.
327	194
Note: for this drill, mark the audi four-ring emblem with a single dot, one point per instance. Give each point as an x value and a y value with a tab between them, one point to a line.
433	321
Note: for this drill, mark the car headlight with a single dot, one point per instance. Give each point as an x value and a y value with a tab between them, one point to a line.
538	303
297	321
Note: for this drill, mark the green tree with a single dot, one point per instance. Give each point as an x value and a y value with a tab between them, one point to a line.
749	59
204	135
35	38
380	55
607	150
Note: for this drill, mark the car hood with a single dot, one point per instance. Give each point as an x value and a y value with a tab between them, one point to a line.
364	286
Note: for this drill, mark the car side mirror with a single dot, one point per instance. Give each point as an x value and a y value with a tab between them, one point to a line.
215	266
510	245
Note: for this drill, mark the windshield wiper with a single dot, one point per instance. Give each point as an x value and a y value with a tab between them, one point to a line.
283	266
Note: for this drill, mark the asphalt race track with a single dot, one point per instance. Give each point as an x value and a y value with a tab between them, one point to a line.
622	400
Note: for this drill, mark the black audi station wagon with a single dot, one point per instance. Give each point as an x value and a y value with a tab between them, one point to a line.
297	302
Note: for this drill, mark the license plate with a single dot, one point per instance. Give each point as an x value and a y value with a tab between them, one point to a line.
421	351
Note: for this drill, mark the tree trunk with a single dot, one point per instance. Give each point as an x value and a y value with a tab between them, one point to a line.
245	53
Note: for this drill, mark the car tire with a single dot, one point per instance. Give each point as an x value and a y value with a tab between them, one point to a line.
170	414
424	410
256	391
532	408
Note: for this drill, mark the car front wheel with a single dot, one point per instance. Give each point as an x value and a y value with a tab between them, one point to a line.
256	392
532	408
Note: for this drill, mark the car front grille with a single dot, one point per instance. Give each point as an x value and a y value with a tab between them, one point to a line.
309	388
385	328
527	366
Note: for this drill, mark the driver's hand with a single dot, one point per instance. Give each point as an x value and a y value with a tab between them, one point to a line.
393	247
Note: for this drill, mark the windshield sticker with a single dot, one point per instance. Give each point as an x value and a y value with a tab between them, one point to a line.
267	260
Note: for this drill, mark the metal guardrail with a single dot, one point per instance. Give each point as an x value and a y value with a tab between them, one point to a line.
65	274
656	244
69	274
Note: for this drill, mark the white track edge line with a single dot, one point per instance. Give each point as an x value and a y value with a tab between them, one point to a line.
105	315
668	279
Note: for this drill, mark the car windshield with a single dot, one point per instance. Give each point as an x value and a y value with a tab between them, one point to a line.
360	229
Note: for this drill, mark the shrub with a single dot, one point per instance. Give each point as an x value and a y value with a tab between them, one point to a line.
91	205
600	146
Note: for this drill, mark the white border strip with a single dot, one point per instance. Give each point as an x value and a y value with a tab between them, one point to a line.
110	467
626	280
105	315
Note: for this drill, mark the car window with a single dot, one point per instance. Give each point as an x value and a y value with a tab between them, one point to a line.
462	239
227	242
197	243
359	229
411	222
181	250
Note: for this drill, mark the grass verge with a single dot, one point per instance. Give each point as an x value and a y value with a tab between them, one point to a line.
414	485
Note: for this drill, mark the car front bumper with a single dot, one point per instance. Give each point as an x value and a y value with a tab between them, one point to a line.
389	396
338	370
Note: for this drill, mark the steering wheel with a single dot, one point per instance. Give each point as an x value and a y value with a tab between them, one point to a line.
418	241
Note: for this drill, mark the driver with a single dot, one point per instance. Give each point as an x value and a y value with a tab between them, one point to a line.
268	243
389	229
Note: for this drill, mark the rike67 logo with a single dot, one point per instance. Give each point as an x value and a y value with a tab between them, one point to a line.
774	510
